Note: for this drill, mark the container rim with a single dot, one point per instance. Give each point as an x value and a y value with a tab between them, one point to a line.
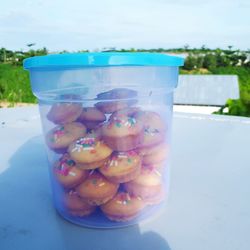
102	59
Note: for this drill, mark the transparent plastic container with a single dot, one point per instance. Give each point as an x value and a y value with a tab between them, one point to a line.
106	120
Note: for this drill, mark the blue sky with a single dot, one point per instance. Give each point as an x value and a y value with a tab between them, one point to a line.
80	24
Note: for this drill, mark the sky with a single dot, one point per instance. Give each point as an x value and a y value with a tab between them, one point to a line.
79	24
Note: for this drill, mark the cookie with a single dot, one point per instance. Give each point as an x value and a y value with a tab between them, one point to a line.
123	207
60	137
89	152
77	206
91	117
67	174
122	167
96	189
148	185
122	132
61	113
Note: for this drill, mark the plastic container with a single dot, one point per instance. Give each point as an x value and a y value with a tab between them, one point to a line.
106	118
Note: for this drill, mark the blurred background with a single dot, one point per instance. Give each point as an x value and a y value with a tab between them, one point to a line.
213	37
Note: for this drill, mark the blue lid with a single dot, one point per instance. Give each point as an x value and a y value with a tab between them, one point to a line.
102	59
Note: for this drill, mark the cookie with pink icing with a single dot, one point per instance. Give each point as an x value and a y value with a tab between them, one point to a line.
60	137
96	189
91	117
148	185
122	167
123	207
89	152
61	113
122	132
76	206
67	174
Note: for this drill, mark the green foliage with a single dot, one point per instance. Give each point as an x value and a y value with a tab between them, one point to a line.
234	107
17	57
190	63
14	84
210	61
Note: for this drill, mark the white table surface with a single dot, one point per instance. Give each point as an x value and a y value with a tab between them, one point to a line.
209	203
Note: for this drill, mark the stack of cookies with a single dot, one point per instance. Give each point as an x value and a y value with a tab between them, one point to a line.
112	155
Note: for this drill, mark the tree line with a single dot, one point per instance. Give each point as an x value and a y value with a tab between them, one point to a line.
195	58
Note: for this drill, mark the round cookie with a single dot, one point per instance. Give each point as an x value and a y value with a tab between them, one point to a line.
122	167
67	174
154	154
96	189
123	207
89	152
60	137
148	185
122	132
61	113
91	117
77	206
154	128
118	95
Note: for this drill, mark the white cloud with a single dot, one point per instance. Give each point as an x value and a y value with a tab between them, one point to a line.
78	24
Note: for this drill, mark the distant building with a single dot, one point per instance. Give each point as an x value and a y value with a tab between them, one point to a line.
207	90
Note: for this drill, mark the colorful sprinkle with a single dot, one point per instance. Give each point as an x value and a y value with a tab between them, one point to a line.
117	158
72	173
58	132
123	121
84	144
70	162
118	124
129	160
67	161
132	121
124	199
157	172
62	169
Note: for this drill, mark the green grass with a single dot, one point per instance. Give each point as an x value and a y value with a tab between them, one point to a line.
14	84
